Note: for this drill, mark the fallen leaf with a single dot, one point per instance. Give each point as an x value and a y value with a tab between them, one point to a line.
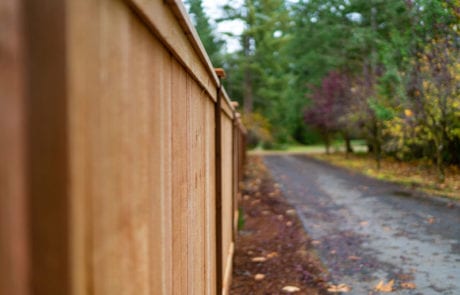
354	258
246	197
280	217
430	220
339	288
408	113
291	289
315	242
258	259
259	277
408	285
364	223
272	255
289	223
290	212
382	287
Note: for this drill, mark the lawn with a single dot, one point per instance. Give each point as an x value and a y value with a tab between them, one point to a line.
417	174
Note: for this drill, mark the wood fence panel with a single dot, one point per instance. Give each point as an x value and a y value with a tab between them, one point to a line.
120	173
119	116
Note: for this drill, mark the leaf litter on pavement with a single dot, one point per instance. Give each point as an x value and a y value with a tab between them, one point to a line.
273	253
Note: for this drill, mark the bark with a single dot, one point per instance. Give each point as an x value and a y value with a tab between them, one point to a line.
248	99
327	142
348	147
439	160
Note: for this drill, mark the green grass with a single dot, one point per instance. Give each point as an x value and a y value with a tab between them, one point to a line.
413	174
358	145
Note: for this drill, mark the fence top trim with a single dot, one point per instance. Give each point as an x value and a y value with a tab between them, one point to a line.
169	21
180	12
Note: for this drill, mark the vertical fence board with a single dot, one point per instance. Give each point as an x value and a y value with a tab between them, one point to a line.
162	253
197	167
180	182
47	150
106	152
13	203
84	91
227	199
210	205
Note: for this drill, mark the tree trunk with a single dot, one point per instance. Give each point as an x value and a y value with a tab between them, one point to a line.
439	160
327	142
348	147
377	145
248	97
378	155
248	100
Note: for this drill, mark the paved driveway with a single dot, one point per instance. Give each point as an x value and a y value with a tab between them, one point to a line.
367	230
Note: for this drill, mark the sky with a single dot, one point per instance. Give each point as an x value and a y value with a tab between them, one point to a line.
213	11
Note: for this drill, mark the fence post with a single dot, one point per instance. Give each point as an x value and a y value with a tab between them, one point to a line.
218	164
235	174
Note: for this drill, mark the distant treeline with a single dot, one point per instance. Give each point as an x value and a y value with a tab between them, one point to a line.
387	71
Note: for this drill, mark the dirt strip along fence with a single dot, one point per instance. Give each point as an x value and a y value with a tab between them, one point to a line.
120	152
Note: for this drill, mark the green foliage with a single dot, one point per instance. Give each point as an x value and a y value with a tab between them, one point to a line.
382	112
241	220
400	60
259	129
259	72
211	43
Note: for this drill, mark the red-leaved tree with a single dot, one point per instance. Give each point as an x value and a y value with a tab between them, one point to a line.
328	105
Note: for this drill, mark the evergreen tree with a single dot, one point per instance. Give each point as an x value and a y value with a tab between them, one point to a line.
211	42
262	78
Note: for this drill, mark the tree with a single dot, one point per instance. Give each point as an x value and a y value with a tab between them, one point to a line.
260	69
435	79
211	42
328	106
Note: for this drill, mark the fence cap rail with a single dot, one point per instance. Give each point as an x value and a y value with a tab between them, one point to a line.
170	22
178	8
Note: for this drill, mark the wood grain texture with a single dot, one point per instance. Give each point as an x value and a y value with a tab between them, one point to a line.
14	277
228	269
110	122
227	189
47	151
160	18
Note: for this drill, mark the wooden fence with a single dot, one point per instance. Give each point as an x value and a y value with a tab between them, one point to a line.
120	153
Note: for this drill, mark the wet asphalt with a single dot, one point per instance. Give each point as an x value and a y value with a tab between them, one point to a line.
366	230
